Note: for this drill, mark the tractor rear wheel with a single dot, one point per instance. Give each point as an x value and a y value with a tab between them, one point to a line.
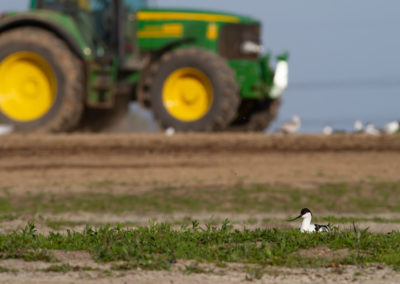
256	115
41	82
193	89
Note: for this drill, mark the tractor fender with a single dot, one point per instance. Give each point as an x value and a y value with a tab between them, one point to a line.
20	21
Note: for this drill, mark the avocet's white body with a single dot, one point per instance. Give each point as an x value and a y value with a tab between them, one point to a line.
306	225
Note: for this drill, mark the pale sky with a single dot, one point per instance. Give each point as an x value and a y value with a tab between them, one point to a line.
345	59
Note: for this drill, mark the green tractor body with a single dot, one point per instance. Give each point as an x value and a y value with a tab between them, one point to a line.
64	64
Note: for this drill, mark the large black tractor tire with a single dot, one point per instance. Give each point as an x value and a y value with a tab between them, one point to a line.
256	115
192	89
41	82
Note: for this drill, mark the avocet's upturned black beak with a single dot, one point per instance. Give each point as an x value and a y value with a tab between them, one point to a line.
295	218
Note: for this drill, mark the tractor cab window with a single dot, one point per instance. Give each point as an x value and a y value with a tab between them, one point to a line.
132	5
93	17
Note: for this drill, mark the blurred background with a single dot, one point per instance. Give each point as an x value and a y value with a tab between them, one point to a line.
344	63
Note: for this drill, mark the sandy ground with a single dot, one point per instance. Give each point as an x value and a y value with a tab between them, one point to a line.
42	164
34	273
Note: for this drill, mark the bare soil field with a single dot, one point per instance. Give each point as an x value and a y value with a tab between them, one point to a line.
136	164
27	162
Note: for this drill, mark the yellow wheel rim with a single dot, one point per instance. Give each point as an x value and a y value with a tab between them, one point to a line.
27	86
188	94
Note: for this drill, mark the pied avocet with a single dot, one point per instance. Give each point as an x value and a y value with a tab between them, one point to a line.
306	225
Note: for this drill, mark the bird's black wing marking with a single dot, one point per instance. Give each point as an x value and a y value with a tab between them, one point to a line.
320	228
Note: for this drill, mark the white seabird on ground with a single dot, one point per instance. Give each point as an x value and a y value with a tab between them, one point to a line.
170	131
6	129
371	130
328	130
291	127
306	225
391	127
358	126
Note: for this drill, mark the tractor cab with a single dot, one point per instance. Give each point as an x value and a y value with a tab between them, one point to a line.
108	26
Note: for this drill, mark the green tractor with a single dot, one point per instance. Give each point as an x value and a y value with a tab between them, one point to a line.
69	64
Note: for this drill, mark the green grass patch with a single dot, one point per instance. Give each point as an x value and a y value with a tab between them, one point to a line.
354	198
64	268
7	270
195	268
9	217
350	220
158	246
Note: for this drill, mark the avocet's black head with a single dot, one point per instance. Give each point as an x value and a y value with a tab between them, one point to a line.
305	211
302	213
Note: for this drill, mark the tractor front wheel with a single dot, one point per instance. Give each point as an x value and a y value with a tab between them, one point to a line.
193	90
41	82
